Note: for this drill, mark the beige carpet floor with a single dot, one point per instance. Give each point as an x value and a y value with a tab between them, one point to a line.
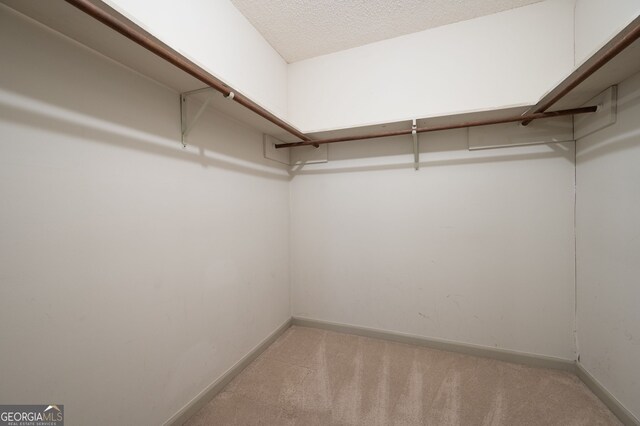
317	377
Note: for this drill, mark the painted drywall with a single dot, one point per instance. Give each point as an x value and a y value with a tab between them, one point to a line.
215	35
133	272
475	247
597	21
490	62
608	249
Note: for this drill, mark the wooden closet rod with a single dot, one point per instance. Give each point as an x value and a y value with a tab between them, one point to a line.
511	119
616	45
155	46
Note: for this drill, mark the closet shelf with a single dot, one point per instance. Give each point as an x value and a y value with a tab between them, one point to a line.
616	61
68	20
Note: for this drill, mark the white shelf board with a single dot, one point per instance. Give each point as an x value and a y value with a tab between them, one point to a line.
75	24
618	69
422	122
621	67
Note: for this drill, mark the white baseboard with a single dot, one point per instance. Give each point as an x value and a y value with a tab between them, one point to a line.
624	415
214	388
524	358
444	345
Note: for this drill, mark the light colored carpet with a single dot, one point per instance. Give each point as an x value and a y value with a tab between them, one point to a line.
317	377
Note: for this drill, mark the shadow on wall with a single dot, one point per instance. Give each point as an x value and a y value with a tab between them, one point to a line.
437	149
242	157
16	108
614	138
52	83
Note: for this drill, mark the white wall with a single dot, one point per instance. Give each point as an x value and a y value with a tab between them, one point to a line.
597	21
608	250
164	266
215	35
476	247
509	58
133	273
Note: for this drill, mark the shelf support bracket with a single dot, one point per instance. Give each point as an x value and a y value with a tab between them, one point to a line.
185	126
416	146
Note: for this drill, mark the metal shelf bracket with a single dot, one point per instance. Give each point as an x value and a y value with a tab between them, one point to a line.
185	126
416	146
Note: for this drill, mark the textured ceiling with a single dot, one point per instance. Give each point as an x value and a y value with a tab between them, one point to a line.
301	29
